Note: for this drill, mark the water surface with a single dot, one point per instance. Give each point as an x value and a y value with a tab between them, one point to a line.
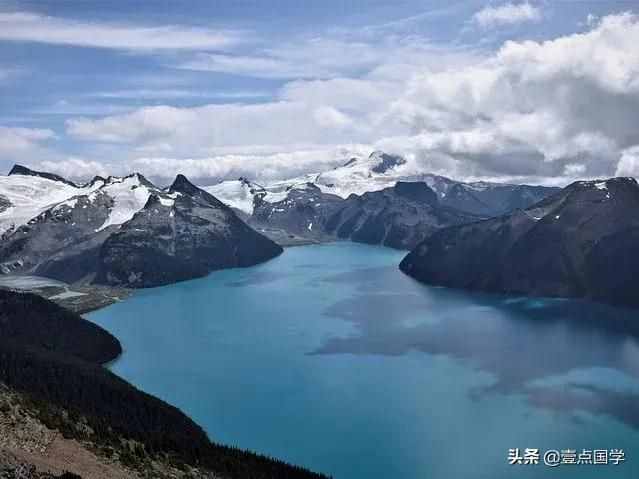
329	357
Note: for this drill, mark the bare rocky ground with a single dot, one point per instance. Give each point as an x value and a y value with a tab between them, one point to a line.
30	450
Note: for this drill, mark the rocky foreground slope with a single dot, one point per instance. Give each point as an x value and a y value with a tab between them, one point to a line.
61	410
581	242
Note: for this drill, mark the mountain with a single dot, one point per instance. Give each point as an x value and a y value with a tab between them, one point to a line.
181	234
303	211
362	200
71	231
580	242
399	216
24	171
488	199
380	171
25	194
50	359
161	236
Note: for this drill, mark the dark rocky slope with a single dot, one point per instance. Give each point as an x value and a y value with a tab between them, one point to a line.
77	396
399	217
62	231
580	242
487	199
183	234
4	203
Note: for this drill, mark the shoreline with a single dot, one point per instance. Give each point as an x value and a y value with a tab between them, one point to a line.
82	299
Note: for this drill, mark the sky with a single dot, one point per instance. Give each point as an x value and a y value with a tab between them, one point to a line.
533	91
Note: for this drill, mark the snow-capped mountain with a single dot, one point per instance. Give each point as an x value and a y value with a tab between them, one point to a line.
179	234
25	194
399	216
75	228
355	176
582	241
351	200
377	172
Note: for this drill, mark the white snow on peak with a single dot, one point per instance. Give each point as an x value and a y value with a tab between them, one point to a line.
234	193
32	195
601	185
129	194
355	176
358	176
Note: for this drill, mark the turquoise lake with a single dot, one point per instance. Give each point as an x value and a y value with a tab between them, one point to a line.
329	357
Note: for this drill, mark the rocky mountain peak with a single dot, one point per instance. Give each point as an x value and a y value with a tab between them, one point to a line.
384	161
182	185
25	171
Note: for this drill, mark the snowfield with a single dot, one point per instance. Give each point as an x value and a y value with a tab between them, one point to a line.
32	195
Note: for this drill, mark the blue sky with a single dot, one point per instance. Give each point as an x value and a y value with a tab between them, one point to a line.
535	91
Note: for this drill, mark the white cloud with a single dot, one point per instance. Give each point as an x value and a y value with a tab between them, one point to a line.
506	14
74	167
629	162
22	145
259	165
536	105
205	129
22	139
551	109
29	27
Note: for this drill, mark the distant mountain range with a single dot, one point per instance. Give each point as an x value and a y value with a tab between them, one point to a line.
580	242
371	200
125	231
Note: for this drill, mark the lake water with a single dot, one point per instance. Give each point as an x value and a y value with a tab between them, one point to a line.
329	357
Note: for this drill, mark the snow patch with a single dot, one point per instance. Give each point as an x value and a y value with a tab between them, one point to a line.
129	196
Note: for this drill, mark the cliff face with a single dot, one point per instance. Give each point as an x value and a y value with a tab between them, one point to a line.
580	242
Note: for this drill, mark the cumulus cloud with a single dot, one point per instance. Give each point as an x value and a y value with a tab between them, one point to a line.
629	162
209	128
23	144
74	167
506	14
535	106
22	138
531	109
261	165
30	27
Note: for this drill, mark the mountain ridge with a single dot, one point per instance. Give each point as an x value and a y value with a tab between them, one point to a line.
576	243
66	239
